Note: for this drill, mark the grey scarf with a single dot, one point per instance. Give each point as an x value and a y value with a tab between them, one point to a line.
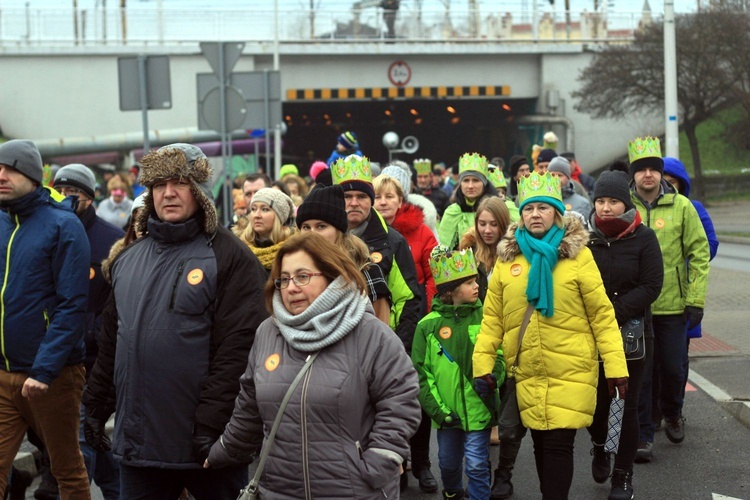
331	316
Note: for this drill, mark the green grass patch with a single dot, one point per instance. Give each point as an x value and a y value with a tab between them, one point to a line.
718	155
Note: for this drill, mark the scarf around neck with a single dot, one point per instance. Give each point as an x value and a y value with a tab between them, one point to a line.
266	254
542	255
616	228
331	316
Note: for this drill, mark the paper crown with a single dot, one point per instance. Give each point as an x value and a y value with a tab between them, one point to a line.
351	168
644	147
447	265
497	178
540	188
423	166
473	162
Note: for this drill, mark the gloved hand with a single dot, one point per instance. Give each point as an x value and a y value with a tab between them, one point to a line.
620	383
203	439
486	385
693	316
95	434
452	420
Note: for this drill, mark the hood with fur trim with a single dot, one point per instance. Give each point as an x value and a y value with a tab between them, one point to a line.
408	218
172	162
428	209
575	239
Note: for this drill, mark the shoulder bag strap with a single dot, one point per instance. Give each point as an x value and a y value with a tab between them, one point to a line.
253	485
521	333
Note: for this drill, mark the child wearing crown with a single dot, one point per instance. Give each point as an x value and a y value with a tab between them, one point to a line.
442	352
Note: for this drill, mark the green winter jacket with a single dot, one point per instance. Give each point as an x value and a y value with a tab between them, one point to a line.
681	238
442	351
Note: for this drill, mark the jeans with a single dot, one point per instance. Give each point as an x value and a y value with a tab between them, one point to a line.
141	483
55	416
553	453
101	466
670	366
630	432
453	446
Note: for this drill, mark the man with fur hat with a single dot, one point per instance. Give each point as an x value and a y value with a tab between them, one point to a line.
186	301
45	264
683	295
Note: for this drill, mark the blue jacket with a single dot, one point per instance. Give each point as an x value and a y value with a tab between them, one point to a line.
675	168
335	155
45	279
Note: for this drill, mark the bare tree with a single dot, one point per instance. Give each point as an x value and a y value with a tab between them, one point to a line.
627	80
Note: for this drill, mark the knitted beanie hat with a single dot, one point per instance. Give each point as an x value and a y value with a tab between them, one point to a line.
559	164
288	169
316	168
401	176
279	203
546	155
614	185
24	157
515	163
78	176
326	204
348	140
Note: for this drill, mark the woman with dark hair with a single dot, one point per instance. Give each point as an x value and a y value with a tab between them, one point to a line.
546	279
346	430
629	259
473	186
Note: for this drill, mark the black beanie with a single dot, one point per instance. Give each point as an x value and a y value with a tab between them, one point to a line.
324	178
515	163
326	204
614	184
653	162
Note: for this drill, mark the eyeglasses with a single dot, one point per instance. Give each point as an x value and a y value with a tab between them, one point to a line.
301	279
70	191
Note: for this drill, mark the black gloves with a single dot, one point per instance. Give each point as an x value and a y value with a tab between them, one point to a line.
486	385
693	316
620	383
203	438
452	420
95	434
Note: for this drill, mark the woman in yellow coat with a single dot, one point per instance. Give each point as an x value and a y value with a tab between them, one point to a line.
543	260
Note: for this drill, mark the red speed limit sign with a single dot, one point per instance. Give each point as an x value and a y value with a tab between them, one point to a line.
399	73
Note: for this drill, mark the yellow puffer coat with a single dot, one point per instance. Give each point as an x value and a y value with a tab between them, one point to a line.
558	372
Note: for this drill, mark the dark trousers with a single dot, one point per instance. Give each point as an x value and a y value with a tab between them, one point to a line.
142	483
553	453
668	370
420	444
630	429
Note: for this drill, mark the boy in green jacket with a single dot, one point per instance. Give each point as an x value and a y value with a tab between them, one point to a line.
442	352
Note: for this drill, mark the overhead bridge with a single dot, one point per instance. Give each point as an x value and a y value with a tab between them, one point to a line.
398	92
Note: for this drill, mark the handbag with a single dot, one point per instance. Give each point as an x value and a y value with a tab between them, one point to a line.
250	492
509	425
633	342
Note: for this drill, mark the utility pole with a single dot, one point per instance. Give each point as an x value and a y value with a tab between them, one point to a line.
672	126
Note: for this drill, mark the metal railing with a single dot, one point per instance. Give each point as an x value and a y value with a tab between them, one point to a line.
65	27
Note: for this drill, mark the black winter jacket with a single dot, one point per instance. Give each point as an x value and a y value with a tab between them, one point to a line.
176	335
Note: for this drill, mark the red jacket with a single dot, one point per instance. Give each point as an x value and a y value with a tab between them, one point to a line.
409	222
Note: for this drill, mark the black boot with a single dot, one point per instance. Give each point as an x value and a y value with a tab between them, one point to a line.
622	485
600	463
47	489
427	482
453	494
502	488
19	481
404	479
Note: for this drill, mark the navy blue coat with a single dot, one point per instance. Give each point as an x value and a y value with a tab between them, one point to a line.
45	274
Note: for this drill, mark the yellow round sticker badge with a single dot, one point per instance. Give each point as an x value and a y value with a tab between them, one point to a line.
445	332
195	276
92	273
376	257
515	270
659	223
272	362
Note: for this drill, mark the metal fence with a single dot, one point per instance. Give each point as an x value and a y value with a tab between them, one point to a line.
46	27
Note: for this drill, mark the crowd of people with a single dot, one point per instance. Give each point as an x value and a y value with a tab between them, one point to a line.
335	323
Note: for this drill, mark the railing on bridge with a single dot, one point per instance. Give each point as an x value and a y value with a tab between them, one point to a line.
65	27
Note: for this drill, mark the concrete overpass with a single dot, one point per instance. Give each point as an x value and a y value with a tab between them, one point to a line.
340	80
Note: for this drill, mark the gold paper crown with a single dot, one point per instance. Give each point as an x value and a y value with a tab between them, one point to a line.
423	166
540	188
447	265
473	162
351	168
497	178
644	147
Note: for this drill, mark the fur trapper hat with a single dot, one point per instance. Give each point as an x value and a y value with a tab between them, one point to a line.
184	161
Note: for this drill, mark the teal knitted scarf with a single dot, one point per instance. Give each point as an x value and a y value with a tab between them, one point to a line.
542	255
